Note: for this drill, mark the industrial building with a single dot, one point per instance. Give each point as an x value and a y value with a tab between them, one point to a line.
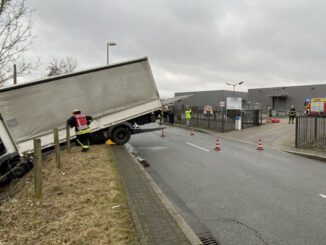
212	98
280	99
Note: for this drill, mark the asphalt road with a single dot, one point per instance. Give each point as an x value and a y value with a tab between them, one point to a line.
242	195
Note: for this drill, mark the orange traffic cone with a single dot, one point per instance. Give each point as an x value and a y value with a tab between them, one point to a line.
217	146
162	133
192	132
260	145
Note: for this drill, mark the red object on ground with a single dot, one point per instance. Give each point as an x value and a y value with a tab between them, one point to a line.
217	146
260	145
192	132
273	120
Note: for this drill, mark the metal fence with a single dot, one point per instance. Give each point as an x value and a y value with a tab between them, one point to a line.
251	118
219	120
310	132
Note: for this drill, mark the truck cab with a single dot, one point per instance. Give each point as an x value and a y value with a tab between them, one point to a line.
2	148
9	156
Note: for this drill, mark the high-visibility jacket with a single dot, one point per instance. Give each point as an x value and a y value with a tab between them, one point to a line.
81	123
292	112
188	114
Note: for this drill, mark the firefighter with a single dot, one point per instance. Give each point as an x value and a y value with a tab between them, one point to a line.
188	115
81	123
292	114
269	111
171	116
165	114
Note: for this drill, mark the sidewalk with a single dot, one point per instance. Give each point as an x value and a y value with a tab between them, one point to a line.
151	212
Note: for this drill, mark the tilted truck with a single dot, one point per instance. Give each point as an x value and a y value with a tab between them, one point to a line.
119	97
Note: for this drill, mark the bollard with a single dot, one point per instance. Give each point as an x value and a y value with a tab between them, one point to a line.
37	161
57	147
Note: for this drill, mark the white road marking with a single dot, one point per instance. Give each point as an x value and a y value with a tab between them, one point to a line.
198	147
154	148
324	196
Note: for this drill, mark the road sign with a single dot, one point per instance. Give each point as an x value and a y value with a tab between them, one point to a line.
233	103
222	103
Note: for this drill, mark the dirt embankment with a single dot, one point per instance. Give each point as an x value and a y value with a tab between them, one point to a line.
83	203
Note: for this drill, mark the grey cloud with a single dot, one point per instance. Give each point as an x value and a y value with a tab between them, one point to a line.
192	44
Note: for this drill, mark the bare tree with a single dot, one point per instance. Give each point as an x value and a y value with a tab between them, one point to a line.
59	66
15	38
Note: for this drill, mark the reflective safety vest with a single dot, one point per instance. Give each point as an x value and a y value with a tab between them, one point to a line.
292	112
188	114
81	122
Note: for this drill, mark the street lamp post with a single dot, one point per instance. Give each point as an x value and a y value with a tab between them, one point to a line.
107	50
234	84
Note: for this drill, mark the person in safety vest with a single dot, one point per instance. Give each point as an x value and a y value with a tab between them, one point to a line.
188	115
292	114
81	123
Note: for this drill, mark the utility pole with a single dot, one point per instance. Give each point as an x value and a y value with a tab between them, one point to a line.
107	50
15	74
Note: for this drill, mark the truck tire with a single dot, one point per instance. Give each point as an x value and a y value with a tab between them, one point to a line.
121	135
19	171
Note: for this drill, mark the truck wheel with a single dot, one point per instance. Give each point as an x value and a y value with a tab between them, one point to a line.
121	135
19	171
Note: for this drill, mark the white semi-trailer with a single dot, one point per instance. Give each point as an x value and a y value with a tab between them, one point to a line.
119	97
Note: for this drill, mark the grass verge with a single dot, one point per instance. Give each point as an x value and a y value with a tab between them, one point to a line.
83	203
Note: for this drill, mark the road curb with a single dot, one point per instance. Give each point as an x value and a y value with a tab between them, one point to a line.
139	228
189	233
308	155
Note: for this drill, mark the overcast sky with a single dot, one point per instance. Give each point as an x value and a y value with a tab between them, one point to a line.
191	44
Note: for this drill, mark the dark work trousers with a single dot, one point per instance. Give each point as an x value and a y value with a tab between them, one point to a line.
291	118
171	118
165	116
83	141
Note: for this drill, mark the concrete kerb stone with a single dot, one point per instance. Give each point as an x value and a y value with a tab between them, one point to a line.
308	155
139	228
189	233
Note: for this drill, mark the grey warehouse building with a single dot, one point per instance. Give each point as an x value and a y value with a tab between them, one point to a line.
280	99
212	98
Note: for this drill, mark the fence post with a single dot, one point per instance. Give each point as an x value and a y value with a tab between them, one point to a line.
68	138
222	120
315	133
57	147
296	131
197	118
37	161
